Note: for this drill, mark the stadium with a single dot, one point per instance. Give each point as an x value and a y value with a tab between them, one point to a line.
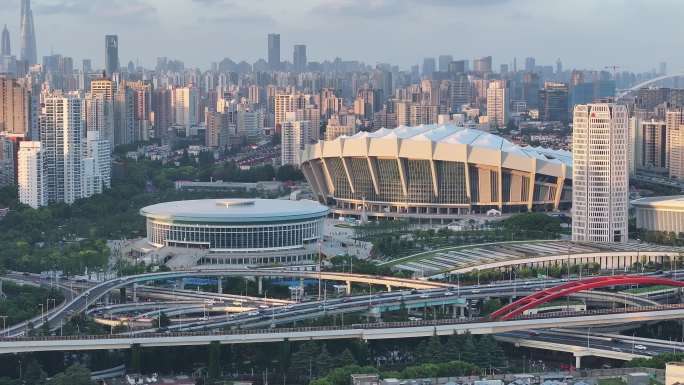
245	232
433	173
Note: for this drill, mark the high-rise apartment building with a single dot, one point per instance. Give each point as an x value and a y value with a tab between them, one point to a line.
5	45
274	51
162	113
29	53
185	105
600	196
674	121
7	160
299	58
62	129
15	115
142	109
31	178
553	100
112	55
530	64
286	103
340	125
497	103
96	165
216	131
295	136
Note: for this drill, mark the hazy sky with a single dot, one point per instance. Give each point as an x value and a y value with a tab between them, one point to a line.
635	34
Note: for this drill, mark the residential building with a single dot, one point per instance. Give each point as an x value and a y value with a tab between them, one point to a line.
15	99
497	103
31	178
295	135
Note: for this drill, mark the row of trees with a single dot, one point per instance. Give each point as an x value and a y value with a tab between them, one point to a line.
23	302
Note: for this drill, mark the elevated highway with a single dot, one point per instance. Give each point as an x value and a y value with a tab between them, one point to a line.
361	331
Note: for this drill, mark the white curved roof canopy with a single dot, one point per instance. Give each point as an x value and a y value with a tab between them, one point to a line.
445	142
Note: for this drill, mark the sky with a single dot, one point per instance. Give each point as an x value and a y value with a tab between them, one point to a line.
589	34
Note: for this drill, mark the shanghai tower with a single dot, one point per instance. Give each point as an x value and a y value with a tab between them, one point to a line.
28	34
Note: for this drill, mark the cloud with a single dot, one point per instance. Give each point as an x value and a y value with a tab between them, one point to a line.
110	11
463	3
208	2
236	14
361	8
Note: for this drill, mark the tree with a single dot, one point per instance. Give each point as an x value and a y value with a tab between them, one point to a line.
214	362
324	362
33	373
345	359
304	359
469	351
74	375
433	350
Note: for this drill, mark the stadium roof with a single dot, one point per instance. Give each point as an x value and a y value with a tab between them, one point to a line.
675	202
445	142
235	210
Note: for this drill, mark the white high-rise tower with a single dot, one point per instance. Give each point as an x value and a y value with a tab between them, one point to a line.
600	191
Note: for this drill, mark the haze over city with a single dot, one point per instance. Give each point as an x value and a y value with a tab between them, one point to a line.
583	33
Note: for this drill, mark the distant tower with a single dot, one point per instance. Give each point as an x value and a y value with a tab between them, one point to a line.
111	54
274	51
600	196
28	34
5	48
299	57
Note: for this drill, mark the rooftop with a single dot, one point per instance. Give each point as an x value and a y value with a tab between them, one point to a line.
661	202
235	210
449	133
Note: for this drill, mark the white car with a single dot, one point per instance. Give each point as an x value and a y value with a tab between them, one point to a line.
448	293
639	347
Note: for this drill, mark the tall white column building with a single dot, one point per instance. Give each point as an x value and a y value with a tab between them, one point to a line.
97	165
30	178
185	104
600	191
295	135
497	103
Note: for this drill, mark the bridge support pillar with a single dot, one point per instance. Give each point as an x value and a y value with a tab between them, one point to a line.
348	290
180	285
135	292
389	288
219	285
260	283
578	361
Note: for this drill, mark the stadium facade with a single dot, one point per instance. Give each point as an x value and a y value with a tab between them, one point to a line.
435	173
244	232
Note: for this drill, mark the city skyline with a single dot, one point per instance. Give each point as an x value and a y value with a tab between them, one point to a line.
429	28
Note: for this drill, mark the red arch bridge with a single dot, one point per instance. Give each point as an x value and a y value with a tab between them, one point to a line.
518	307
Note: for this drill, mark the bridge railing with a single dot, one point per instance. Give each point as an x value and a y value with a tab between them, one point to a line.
366	326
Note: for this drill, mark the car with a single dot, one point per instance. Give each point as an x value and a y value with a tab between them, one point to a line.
616	349
475	291
533	334
424	296
639	347
448	293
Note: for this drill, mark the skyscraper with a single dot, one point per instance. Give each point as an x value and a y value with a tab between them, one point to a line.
5	47
530	64
28	35
295	136
428	66
600	173
274	51
553	102
299	57
111	54
444	61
